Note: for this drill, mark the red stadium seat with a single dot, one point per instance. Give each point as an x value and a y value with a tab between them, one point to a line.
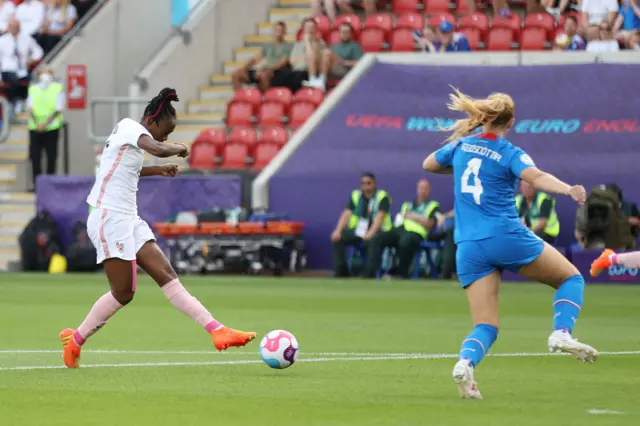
500	39
514	23
462	7
311	95
249	95
239	114
323	23
400	6
300	112
271	114
333	38
437	18
411	20
218	137
384	21
281	95
533	39
264	154
478	20
402	41
437	6
541	20
372	40
243	135
474	37
350	18
235	156
276	135
203	155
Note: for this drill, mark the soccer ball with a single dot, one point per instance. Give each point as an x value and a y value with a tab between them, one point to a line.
279	349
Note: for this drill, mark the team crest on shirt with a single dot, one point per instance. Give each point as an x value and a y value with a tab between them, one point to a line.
120	246
527	160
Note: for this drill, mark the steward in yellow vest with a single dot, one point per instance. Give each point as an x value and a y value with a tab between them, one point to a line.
366	215
412	226
538	211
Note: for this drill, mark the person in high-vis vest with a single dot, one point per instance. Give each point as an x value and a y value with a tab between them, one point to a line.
412	226
45	104
366	215
538	212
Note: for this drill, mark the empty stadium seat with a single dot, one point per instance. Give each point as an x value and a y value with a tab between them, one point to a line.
300	112
474	37
239	114
323	23
411	20
479	21
384	21
276	135
264	153
402	40
243	135
352	19
282	95
437	6
271	114
203	155
533	38
541	20
500	39
514	23
333	38
372	40
218	137
399	6
437	18
462	7
249	95
235	156
311	95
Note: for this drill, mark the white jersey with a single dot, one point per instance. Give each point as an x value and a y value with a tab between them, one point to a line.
118	174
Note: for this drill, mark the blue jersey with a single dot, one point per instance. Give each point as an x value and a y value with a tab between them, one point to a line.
486	170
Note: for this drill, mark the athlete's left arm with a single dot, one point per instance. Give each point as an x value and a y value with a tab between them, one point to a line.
170	170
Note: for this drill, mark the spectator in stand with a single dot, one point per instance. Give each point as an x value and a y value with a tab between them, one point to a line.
345	6
340	58
7	10
305	58
570	40
449	41
425	40
605	41
555	8
18	53
628	21
596	11
30	13
83	6
59	18
500	7
634	42
268	67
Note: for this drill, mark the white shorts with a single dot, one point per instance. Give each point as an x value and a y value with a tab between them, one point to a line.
116	234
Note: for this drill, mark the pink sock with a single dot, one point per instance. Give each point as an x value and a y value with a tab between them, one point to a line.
189	305
102	310
629	260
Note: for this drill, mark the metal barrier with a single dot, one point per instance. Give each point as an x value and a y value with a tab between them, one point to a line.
116	115
6	119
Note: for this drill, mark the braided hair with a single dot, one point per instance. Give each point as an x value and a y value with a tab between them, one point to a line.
159	108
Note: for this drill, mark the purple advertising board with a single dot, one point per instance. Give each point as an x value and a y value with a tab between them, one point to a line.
576	121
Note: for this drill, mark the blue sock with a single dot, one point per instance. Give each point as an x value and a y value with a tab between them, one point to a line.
567	303
478	343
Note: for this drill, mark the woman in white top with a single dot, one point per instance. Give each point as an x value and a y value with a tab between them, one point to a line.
124	241
605	41
59	18
7	9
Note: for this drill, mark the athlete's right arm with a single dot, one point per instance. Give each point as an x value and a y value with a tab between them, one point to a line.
440	161
162	150
546	182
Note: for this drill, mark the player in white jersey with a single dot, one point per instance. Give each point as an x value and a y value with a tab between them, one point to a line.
124	241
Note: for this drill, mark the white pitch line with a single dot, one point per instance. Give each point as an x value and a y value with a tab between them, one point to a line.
211	352
255	361
605	411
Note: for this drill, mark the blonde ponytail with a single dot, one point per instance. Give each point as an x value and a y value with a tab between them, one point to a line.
497	109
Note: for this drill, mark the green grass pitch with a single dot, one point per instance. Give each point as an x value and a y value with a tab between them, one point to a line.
372	353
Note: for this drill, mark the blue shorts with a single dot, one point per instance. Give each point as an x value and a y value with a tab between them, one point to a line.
511	251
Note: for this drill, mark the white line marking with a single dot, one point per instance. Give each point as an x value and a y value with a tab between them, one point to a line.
611	412
211	352
321	359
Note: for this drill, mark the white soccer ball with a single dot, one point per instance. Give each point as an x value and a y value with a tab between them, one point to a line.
279	349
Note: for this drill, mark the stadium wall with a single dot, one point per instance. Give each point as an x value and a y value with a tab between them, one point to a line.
574	118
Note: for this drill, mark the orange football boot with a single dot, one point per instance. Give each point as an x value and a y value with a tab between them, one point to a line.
71	352
225	337
601	263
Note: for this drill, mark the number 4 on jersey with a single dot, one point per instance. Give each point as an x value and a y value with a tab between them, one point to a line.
473	168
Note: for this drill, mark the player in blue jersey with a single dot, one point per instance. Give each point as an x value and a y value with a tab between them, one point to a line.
490	236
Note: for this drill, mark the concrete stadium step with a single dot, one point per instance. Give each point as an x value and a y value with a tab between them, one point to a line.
243	54
187	133
13	229
220	79
230	66
19	133
207	107
294	3
209	93
9	254
16	212
11	158
7	241
210	120
15	198
288	14
8	174
260	40
266	28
